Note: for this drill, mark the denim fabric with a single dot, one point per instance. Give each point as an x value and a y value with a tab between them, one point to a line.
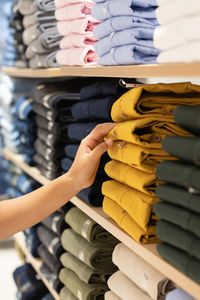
26	149
48	297
26	184
70	150
92	194
55	222
53	280
32	241
142	28
66	163
13	193
78	131
23	108
24	127
53	263
129	55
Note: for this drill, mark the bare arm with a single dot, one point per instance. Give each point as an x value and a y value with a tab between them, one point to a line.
23	212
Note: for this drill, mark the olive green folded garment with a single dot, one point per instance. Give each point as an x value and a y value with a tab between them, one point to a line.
188	117
185	148
178	173
187	264
180	216
176	195
96	257
178	237
79	288
84	272
65	294
88	228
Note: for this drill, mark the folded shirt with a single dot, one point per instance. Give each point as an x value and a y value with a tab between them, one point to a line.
39	16
80	26
173	10
155	100
61	116
111	8
176	195
77	56
96	257
123	219
188	118
134	178
79	131
44	61
92	194
48	153
142	28
74	11
50	139
49	260
49	165
148	279
55	222
179	173
111	296
181	260
179	216
120	38
31	240
23	108
85	273
45	5
56	128
65	294
79	288
88	229
179	294
52	279
126	289
50	174
27	7
62	3
178	237
77	40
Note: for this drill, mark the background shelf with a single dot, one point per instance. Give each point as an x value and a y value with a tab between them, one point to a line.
147	252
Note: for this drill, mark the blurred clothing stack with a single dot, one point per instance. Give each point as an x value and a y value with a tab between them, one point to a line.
5	14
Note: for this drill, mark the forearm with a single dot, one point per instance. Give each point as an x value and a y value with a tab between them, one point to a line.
23	212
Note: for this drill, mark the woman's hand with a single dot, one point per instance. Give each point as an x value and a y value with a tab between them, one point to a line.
84	168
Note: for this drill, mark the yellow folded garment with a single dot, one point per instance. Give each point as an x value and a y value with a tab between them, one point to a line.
124	220
135	203
139	180
142	158
146	132
155	100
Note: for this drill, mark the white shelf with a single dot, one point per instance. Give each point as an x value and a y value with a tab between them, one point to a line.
35	262
147	252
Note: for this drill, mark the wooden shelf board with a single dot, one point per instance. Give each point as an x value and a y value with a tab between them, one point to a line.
147	252
35	262
132	71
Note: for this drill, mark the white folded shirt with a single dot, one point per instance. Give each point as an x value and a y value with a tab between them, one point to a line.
177	33
177	9
111	296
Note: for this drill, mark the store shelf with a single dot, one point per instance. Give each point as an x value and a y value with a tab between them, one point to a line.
147	252
35	262
133	71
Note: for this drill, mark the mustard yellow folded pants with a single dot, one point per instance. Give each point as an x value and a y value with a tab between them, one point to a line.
124	220
139	180
155	100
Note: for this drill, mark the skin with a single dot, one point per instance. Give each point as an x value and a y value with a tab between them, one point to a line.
23	212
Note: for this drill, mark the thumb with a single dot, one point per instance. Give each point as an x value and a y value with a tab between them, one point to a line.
101	149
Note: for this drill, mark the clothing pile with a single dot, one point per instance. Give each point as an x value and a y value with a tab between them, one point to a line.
93	109
87	264
126	32
40	34
135	278
5	15
179	211
177	34
76	24
145	115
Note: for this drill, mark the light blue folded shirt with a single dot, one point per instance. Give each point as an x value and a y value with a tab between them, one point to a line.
129	55
124	37
111	8
178	294
143	27
139	3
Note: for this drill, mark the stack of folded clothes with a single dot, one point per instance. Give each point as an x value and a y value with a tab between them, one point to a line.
126	32
88	260
15	48
179	226
28	284
40	35
177	36
178	294
135	278
76	24
145	115
5	14
93	109
52	105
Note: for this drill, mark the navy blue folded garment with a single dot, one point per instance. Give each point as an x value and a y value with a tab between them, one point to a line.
29	285
64	209
24	108
51	139
27	139
32	240
66	163
28	159
26	149
53	263
111	8
78	131
101	89
48	153
71	149
13	192
92	194
50	297
97	109
53	280
50	240
55	222
143	28
25	127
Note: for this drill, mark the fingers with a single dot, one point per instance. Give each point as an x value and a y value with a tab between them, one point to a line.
101	149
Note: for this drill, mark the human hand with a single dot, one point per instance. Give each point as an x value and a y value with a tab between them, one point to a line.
86	163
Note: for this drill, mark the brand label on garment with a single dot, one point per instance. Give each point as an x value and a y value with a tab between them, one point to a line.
54	223
85	228
52	244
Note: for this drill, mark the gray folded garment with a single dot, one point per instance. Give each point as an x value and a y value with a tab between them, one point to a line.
33	32
39	16
44	61
27	7
47	5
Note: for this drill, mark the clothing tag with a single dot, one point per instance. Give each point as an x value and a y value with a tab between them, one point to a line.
54	223
52	244
85	228
81	255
